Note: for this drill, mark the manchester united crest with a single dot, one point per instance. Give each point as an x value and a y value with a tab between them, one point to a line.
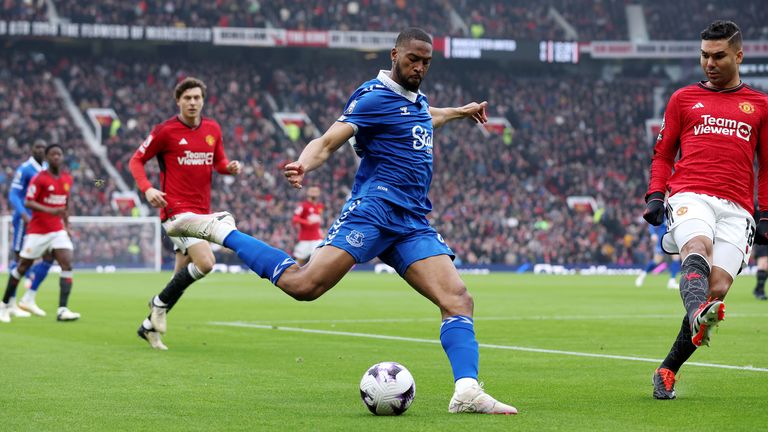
66	187
210	140
746	107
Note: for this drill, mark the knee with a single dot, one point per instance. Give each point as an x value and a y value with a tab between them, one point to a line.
698	246
461	303
205	265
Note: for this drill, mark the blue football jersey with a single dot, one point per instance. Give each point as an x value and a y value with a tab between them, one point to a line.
21	178
393	137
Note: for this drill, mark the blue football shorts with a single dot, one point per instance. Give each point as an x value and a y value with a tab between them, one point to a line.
19	230
372	227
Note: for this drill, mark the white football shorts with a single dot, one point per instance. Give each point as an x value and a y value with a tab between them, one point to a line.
35	245
304	248
181	244
730	227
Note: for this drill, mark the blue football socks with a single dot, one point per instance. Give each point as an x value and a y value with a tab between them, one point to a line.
265	260
674	268
39	271
457	335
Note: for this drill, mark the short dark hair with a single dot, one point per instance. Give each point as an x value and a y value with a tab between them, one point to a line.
189	83
412	33
50	147
722	29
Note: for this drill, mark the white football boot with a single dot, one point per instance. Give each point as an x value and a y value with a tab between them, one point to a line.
476	400
14	310
5	313
640	279
672	284
152	337
157	316
64	314
31	307
212	227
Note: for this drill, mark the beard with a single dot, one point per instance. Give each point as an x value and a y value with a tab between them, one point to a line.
408	84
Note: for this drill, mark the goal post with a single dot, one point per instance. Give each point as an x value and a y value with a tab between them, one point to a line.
104	243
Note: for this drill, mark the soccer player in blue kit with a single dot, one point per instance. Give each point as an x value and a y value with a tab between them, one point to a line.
21	216
656	233
390	124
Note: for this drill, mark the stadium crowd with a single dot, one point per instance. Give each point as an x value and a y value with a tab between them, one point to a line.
500	198
30	109
664	23
513	19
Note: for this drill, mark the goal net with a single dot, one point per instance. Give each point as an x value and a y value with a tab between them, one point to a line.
108	243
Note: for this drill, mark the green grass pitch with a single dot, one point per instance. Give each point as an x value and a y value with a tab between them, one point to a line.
97	375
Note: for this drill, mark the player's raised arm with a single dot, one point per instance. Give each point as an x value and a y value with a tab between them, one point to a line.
317	152
475	111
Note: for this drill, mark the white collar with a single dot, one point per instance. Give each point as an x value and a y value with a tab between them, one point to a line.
34	163
384	77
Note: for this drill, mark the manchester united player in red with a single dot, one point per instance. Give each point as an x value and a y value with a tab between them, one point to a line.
308	216
716	126
188	148
47	197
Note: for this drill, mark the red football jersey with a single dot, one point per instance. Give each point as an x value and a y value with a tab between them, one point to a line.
49	191
308	216
187	157
717	133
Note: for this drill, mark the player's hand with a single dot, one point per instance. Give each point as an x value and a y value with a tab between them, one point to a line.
25	217
654	209
59	211
294	172
761	236
234	167
155	198
477	111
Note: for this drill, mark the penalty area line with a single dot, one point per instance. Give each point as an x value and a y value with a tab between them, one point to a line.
491	346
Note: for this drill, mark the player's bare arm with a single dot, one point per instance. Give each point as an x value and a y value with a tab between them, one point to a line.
34	205
317	152
475	111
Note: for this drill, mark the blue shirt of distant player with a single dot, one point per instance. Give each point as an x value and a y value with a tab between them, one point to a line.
393	137
18	191
658	231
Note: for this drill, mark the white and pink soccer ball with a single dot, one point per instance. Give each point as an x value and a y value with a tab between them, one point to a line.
387	388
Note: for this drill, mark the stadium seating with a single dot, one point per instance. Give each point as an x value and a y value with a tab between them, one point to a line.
495	201
30	109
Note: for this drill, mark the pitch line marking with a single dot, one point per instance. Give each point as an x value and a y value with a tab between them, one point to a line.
492	346
515	318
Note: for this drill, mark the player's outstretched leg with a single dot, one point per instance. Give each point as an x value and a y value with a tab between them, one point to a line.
694	289
706	317
213	227
457	335
265	260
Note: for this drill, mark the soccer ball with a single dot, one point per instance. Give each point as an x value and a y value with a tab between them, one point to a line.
387	388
